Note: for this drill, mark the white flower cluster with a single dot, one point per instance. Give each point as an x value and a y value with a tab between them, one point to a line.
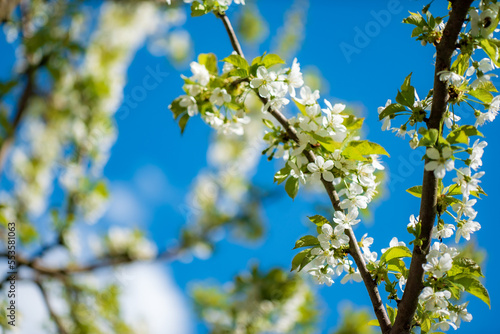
434	299
222	117
124	241
215	2
331	260
480	24
313	124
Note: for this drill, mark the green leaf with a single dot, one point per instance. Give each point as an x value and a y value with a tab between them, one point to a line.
353	123
456	190
356	149
465	266
302	108
302	259
373	322
415	19
472	286
237	61
318	220
491	50
328	143
391	312
239	72
210	62
462	134
395	253
176	108
396	265
306	241
429	137
391	110
271	60
297	259
292	187
461	64
406	96
415	191
6	87
183	122
282	174
258	60
426	325
482	95
198	9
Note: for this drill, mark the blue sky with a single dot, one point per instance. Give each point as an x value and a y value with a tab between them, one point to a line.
150	146
366	81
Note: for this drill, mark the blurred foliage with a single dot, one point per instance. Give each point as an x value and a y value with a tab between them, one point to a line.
258	302
250	24
354	321
288	39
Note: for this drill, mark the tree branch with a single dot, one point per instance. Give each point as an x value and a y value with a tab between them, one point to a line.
52	313
229	28
21	108
168	254
409	301
354	250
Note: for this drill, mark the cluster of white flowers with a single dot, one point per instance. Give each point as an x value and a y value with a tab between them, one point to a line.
222	3
222	116
314	123
124	241
436	299
480	24
331	260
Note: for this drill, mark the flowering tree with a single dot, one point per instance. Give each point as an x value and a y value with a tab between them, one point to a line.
322	145
69	130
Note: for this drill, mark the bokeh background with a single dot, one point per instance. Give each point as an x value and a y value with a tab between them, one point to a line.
153	168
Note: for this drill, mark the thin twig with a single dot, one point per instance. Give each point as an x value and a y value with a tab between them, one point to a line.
27	91
229	28
21	108
354	250
414	285
52	313
168	254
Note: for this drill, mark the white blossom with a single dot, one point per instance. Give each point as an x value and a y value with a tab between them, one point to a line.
319	168
296	172
323	275
353	275
354	199
189	102
466	228
200	73
467	182
460	314
451	78
220	96
387	120
465	208
477	154
344	221
294	78
443	232
434	301
440	162
437	266
394	243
